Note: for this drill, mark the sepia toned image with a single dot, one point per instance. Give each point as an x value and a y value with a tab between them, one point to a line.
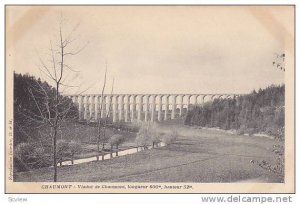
149	99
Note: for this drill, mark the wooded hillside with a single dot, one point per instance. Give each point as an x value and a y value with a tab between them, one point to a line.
261	111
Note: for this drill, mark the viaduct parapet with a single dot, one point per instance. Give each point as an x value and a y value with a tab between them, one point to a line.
139	107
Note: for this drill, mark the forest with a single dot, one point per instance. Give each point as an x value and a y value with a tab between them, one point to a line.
261	111
31	98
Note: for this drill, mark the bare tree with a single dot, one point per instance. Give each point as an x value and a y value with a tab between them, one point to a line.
54	112
101	109
103	126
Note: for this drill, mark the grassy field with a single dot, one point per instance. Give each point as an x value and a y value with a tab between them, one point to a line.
198	155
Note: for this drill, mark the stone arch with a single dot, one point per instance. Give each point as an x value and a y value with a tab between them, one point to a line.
153	102
205	98
86	107
159	104
172	102
186	102
165	106
193	99
145	101
74	99
152	107
219	96
132	106
107	105
200	99
178	104
80	107
158	99
213	97
97	107
165	101
114	107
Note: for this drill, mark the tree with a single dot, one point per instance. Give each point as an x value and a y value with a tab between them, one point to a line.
99	120
102	126
148	135
116	139
170	137
155	136
143	136
55	108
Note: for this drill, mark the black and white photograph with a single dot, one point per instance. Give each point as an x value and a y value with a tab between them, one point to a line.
149	98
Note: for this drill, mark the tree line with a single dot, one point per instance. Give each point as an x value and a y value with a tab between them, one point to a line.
261	111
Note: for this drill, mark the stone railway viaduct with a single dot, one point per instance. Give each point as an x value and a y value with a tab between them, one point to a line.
139	107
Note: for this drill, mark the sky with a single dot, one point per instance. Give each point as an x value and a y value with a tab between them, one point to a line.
155	49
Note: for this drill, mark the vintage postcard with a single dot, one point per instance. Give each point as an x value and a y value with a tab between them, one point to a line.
150	99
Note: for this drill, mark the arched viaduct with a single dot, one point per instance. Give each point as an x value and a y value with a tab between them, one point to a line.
139	107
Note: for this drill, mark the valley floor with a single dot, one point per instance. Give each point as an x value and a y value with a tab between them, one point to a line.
199	155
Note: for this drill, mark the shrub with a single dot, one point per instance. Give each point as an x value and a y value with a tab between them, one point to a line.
74	147
171	137
242	130
272	130
280	133
29	156
148	134
155	136
251	131
62	150
24	151
277	165
143	137
116	140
